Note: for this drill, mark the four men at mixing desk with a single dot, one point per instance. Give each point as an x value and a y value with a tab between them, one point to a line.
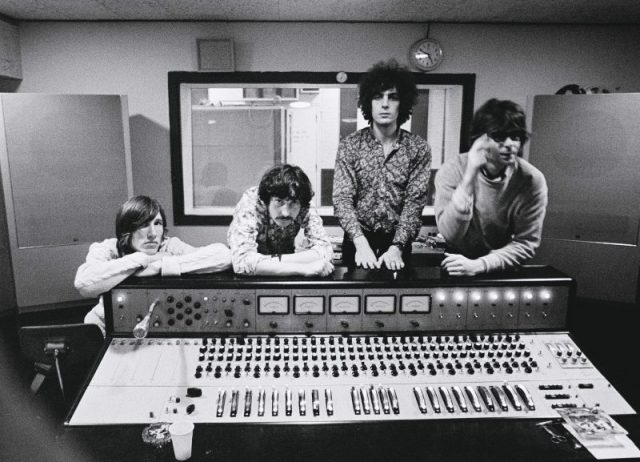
489	204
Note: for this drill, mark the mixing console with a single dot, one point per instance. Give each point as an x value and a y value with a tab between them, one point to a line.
359	346
332	378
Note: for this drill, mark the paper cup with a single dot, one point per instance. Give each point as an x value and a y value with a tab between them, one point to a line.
181	436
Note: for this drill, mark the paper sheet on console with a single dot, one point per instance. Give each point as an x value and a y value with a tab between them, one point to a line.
615	447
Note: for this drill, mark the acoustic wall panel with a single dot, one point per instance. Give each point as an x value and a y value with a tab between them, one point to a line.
66	168
588	147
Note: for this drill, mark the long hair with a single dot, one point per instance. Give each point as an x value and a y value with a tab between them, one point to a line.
285	181
134	214
384	76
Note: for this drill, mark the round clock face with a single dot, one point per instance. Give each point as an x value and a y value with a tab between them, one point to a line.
426	54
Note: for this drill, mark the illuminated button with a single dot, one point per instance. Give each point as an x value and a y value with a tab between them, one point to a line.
120	299
441	296
545	295
458	296
527	295
493	296
510	295
475	296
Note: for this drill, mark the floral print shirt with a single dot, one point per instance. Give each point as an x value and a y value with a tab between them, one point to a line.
374	192
253	236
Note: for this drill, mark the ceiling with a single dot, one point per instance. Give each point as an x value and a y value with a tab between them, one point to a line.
450	11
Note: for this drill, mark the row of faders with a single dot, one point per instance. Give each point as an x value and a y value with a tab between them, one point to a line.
274	405
374	400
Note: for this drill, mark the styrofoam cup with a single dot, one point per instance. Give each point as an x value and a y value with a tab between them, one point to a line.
182	437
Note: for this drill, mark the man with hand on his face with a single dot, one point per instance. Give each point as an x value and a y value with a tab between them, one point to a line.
490	203
266	222
382	173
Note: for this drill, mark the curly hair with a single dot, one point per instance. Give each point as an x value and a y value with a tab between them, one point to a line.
499	117
134	214
384	76
286	182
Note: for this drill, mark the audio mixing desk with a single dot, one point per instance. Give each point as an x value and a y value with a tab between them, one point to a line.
359	346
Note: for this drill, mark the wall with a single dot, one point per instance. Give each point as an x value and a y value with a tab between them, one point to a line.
510	61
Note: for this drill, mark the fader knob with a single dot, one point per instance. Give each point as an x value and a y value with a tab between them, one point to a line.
379	324
273	325
344	324
308	324
415	323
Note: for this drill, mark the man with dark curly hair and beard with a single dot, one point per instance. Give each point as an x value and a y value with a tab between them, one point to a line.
266	221
382	173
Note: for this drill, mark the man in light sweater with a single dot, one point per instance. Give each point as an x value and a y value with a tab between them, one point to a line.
490	203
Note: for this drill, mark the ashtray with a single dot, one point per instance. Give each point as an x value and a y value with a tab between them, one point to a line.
157	434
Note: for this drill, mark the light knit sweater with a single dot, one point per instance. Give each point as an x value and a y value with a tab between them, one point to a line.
501	223
103	269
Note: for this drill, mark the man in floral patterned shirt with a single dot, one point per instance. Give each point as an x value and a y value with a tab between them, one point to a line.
382	173
266	222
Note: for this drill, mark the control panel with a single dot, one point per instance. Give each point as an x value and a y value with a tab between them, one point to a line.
348	310
333	378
